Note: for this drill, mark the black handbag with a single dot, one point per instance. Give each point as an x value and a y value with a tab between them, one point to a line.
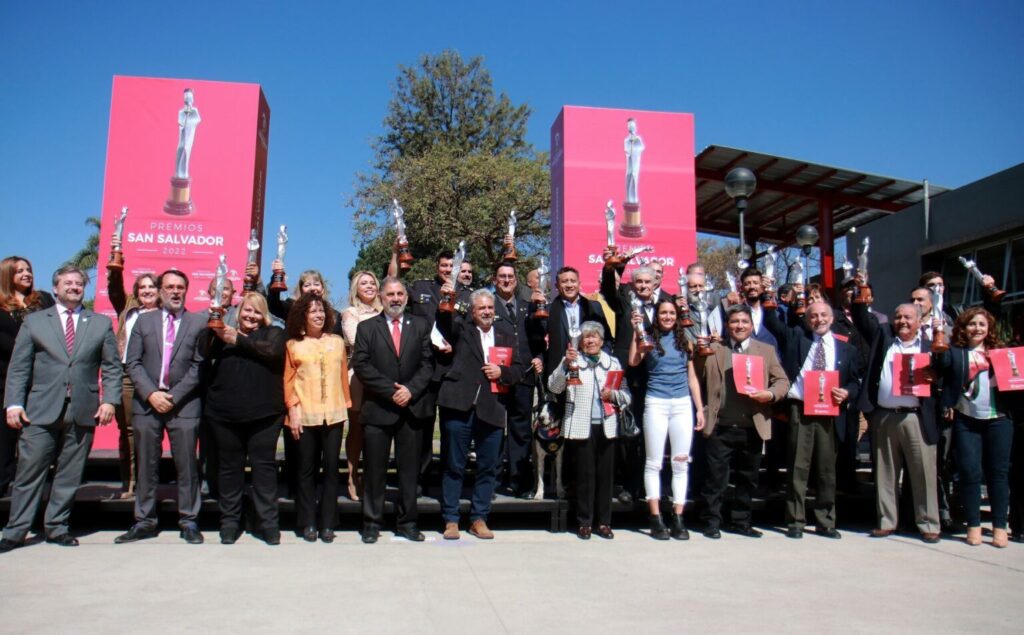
627	423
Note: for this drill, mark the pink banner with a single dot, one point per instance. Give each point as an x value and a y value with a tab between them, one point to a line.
188	159
642	162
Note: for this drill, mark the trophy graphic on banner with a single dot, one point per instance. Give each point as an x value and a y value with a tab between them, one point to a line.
768	299
645	343
253	247
574	340
616	258
509	252
1012	358
864	295
821	388
448	300
179	203
543	286
684	311
632	227
216	320
749	368
704	341
405	258
940	343
993	292
116	262
800	304
277	282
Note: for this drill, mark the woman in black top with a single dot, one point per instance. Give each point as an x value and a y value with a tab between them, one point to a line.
310	281
18	298
245	410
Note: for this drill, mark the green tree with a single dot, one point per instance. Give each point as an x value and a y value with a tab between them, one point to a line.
87	257
454	154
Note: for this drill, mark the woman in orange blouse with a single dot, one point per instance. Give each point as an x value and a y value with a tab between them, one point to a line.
316	392
363	304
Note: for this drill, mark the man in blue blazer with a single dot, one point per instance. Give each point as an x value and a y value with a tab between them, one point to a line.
814	439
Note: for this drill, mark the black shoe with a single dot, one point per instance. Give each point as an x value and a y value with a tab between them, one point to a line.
1017	536
229	535
309	534
64	540
677	529
584	532
371	534
828	532
191	535
658	529
605	532
625	497
712	533
527	496
270	535
411	533
9	545
136	533
327	535
743	530
794	532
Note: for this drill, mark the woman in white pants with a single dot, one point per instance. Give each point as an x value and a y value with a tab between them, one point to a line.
673	392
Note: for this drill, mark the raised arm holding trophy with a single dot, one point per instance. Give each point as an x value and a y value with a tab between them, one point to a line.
277	282
768	299
116	262
509	252
405	258
253	246
863	290
616	258
448	297
994	292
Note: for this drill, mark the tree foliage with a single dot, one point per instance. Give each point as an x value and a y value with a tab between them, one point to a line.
87	257
454	154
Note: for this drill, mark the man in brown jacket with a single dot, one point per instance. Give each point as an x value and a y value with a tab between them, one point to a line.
736	424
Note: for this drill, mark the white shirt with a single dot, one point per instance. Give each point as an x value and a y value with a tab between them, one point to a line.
486	342
62	316
129	324
755	315
572	311
744	345
885	397
796	391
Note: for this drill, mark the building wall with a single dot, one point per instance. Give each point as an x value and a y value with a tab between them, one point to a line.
984	210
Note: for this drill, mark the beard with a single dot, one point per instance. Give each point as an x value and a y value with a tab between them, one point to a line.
394	310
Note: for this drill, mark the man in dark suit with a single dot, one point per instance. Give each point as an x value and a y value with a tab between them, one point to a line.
163	361
471	410
905	429
393	360
53	398
513	306
814	439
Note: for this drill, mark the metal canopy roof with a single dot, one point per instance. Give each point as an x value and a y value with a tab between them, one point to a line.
791	193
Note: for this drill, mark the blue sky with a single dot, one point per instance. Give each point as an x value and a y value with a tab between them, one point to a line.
908	89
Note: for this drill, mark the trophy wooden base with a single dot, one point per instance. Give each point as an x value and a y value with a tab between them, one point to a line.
216	320
447	304
510	255
685	320
995	293
768	300
863	296
116	261
704	351
645	345
277	282
616	259
179	203
249	284
541	310
631	226
405	258
574	377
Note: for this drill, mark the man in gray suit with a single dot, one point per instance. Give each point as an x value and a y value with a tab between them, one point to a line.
163	362
53	398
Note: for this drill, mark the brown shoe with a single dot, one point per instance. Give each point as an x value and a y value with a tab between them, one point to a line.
451	531
480	530
605	532
882	533
930	537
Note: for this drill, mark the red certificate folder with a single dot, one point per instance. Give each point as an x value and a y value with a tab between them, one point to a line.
612	382
748	373
1009	366
500	356
908	375
818	385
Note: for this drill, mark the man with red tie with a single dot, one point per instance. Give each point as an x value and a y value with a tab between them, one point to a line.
393	360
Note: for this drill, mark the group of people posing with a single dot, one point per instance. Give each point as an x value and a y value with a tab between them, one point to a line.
674	379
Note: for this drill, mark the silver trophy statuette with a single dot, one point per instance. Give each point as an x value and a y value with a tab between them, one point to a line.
609	217
282	242
544	276
119	226
972	266
399	215
253	246
847	269
637	250
862	259
220	279
797	272
512	223
731	279
769	264
682	281
460	256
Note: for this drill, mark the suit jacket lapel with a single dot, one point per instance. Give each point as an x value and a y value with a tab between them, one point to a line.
178	333
406	334
385	328
476	345
53	317
83	324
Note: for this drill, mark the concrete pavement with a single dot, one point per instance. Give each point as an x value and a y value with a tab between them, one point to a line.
524	581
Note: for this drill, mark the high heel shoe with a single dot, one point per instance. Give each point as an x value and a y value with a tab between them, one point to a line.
973	536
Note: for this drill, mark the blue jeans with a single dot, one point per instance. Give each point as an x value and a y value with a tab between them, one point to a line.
983	446
460	428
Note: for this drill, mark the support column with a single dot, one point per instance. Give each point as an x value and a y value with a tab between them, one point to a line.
827	247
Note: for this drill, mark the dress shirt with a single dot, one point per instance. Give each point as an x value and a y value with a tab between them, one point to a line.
755	316
796	391
486	342
62	316
572	311
885	397
744	345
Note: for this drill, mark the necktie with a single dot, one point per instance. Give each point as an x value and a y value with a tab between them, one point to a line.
738	347
396	336
511	308
69	333
818	363
168	347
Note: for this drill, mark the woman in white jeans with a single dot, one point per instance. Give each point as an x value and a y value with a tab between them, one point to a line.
672	393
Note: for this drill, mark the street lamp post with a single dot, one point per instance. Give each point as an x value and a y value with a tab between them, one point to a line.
806	237
740	184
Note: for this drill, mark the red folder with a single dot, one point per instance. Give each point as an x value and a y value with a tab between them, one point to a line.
910	384
1009	366
818	385
500	356
613	382
748	373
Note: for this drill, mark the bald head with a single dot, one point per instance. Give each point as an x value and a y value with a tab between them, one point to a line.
819	317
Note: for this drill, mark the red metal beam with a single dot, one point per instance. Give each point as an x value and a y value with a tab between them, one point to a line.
728	166
766	165
854	181
821	178
910	190
825	244
798	169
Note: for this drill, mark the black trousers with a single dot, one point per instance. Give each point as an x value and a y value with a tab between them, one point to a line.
519	438
318	446
209	469
8	453
377	440
257	441
1017	475
730	446
595	469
